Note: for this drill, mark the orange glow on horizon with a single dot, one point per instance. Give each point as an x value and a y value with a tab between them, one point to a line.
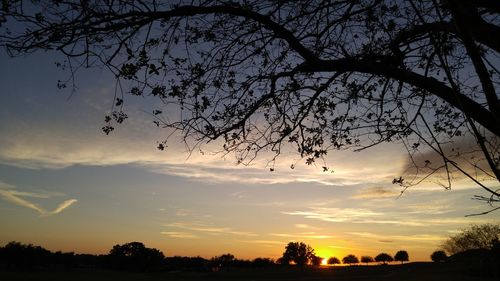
324	261
325	253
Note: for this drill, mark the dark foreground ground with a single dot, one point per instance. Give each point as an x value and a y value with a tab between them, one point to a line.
405	272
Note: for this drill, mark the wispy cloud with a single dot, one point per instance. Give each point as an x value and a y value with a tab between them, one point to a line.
177	234
63	206
377	192
265	242
412	215
306	235
13	198
60	150
306	226
208	229
383	238
16	197
357	215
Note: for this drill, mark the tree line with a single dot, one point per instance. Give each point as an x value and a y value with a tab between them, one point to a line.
133	256
302	254
478	245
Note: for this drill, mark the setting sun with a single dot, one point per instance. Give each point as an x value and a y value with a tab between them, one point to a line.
324	261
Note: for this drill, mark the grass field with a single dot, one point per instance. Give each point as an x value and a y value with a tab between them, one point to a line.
405	272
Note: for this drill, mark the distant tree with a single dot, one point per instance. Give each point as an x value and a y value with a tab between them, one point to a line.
192	264
297	252
401	256
283	261
263	262
350	259
333	261
316	261
366	259
19	256
24	256
383	258
135	256
475	237
223	261
439	256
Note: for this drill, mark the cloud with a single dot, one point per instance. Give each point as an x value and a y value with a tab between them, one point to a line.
176	234
345	248
63	206
16	197
306	235
411	215
13	198
464	151
335	214
208	229
377	192
134	144
265	242
306	226
354	215
399	238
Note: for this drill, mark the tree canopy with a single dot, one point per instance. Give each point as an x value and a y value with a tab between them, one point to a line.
310	76
299	253
383	258
350	259
438	256
135	256
333	261
367	259
401	256
482	236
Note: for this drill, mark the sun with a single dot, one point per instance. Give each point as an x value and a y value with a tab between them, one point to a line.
324	261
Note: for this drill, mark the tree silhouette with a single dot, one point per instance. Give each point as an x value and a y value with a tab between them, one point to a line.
222	261
350	259
333	261
475	237
135	256
401	256
263	262
267	75
297	252
383	258
24	256
316	261
438	256
366	259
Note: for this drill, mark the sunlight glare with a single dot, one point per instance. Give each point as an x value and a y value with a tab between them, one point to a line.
324	261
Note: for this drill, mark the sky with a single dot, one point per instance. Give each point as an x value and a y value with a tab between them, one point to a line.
66	186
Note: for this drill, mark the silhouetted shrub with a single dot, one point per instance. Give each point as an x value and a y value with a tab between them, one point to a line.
401	256
263	262
178	263
474	237
439	256
20	256
350	259
134	256
221	262
384	258
333	261
367	259
297	252
316	261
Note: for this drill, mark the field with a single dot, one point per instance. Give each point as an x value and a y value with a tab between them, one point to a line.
405	272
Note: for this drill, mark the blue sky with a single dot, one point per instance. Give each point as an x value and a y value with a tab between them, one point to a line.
66	186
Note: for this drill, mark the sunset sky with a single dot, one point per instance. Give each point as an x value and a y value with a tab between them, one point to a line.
66	186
